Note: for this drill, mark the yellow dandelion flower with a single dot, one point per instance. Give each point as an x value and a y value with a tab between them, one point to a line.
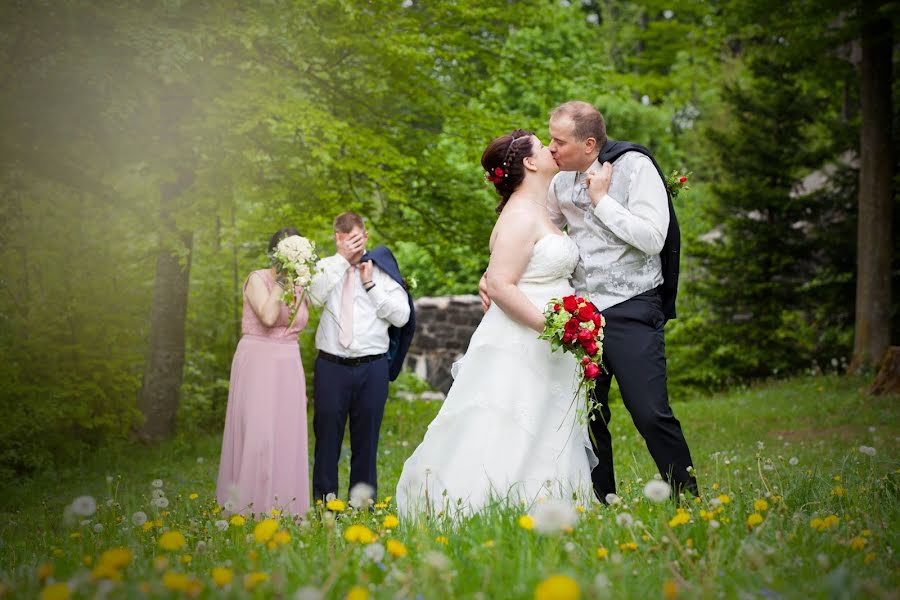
172	541
724	498
336	505
360	534
628	546
870	557
689	542
839	491
117	558
754	519
274	512
75	535
217	510
858	543
681	518
238	521
557	587
194	496
670	589
87	559
390	522
158	523
380	505
715	486
816	523
866	533
602	552
186	559
56	591
57	552
176	581
281	537
442	540
526	522
357	592
396	548
489	543
387	499
837	477
760	505
697	500
251	580
222	576
44	571
147	526
271	545
264	530
102	571
831	521
706	515
579	508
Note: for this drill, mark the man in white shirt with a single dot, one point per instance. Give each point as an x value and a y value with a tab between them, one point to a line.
352	371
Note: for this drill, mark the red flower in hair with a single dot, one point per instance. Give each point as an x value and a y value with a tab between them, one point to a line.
495	176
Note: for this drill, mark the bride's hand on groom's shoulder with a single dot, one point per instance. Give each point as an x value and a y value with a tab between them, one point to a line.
598	182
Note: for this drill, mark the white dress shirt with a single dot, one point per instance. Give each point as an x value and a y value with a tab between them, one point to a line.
374	311
620	239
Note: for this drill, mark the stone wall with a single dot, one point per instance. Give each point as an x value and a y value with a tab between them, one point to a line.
444	326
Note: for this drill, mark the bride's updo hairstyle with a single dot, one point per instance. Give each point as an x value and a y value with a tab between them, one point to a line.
502	162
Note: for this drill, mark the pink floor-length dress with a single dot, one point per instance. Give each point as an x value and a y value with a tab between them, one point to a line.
264	463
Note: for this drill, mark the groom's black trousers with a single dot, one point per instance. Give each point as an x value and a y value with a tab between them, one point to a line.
634	352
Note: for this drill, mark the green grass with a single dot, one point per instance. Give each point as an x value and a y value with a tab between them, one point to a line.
742	443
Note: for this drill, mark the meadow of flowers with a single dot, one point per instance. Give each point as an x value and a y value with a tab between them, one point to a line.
799	486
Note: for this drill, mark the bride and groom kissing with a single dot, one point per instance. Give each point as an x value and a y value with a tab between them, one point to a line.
507	431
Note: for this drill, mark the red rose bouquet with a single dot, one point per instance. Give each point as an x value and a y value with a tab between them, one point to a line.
575	325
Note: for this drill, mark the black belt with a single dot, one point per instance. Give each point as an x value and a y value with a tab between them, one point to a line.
352	362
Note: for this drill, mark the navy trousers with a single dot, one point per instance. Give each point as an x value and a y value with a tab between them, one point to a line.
359	391
634	352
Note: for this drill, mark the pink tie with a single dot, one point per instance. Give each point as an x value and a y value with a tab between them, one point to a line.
346	321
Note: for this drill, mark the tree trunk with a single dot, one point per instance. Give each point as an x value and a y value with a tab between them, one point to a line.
873	281
888	379
165	364
164	368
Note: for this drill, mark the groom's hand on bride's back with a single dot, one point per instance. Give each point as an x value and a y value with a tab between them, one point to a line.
482	291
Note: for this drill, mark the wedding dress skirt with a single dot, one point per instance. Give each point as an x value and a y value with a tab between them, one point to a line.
507	431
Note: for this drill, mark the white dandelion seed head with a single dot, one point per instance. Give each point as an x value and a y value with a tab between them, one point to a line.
553	516
406	3
760	445
98	527
158	493
161	502
668	14
200	460
715	502
569	547
361	495
139	518
437	560
201	547
867	450
329	497
593	18
221	525
714	524
109	479
308	592
85	522
624	519
230	505
84	506
794	461
374	552
823	561
157	483
613	499
657	490
601	581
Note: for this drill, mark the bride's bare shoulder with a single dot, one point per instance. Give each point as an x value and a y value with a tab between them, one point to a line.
514	223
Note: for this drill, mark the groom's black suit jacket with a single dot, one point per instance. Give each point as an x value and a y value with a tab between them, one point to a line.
671	251
400	337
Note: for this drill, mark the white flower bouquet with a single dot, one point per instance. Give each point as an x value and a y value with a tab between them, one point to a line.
295	260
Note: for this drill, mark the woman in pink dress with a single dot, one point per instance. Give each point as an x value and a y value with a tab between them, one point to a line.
264	462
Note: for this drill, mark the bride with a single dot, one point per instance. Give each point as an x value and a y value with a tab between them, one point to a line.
507	431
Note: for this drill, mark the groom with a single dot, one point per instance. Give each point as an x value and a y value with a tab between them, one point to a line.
629	243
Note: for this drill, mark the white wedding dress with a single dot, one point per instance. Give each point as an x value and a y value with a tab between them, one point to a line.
508	430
